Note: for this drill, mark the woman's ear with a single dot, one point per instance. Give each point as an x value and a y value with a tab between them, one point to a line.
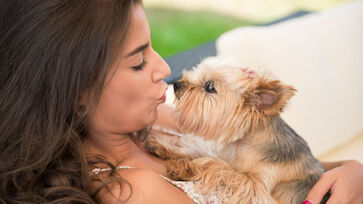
82	107
270	97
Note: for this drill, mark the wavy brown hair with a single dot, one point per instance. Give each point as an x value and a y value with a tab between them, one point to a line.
52	51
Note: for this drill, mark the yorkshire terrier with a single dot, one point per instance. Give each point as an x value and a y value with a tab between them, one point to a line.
249	151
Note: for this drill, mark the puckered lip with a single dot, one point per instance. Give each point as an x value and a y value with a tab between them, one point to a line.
163	95
163	98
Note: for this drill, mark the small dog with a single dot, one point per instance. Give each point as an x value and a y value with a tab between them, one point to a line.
249	151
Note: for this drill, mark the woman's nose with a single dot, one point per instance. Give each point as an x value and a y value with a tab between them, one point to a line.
162	69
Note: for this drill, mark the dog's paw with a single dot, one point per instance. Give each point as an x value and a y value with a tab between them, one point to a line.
156	148
181	169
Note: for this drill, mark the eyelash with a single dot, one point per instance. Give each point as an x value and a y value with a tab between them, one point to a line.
141	66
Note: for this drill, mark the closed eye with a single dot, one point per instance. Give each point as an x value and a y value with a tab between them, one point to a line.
141	66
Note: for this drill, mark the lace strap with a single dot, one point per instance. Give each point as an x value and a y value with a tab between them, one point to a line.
96	171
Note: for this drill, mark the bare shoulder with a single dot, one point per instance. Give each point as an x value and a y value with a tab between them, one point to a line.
145	186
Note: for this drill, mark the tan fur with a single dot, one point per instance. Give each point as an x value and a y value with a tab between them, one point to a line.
256	156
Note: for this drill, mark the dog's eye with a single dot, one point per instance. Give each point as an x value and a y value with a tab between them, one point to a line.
209	87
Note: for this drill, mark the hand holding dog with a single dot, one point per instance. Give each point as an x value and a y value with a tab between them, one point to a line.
345	182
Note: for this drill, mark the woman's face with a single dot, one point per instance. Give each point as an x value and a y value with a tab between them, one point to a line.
135	86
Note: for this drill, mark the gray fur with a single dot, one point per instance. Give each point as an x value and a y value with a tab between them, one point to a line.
286	145
295	192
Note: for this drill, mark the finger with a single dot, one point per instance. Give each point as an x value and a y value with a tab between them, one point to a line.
325	182
334	199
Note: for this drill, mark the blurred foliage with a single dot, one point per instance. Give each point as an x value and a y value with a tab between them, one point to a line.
255	10
174	30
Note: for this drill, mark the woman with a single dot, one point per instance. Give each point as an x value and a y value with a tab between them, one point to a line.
79	85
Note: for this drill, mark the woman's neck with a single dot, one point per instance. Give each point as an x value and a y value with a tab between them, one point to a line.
122	149
114	147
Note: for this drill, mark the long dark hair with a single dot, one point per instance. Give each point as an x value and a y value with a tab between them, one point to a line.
52	51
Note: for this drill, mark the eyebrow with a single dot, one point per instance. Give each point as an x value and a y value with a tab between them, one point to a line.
138	49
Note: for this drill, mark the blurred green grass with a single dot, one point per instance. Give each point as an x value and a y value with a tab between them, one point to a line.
174	31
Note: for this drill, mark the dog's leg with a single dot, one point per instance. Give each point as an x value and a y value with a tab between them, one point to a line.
245	187
164	147
174	147
181	169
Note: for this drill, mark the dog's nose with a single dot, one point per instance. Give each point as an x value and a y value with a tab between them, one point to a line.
177	85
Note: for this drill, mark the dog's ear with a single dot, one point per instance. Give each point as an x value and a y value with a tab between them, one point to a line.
269	97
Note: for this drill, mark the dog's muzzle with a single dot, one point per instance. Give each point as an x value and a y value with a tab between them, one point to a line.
177	85
178	89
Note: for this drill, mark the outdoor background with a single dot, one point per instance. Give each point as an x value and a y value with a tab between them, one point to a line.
179	25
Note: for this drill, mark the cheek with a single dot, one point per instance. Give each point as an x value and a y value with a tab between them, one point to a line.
125	109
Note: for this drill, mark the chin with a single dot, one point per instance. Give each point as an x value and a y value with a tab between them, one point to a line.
151	118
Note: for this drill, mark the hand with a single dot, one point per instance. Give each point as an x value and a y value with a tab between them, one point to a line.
345	183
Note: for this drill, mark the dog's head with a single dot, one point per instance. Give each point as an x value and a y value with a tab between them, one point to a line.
224	102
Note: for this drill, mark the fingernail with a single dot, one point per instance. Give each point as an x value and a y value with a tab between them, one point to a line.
307	202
